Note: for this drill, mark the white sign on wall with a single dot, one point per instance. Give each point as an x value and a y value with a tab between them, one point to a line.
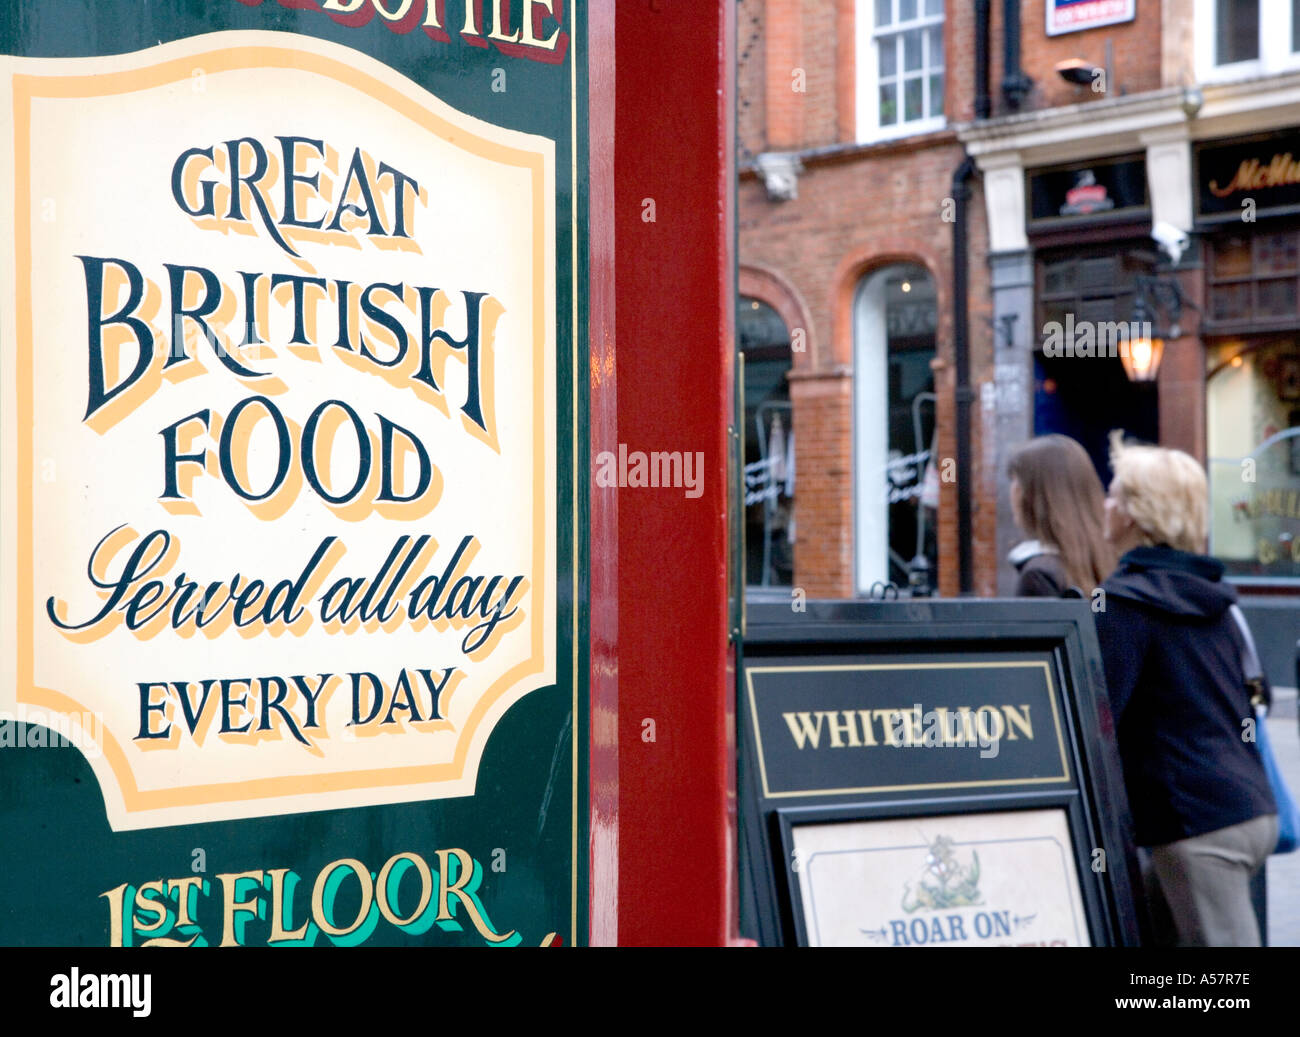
1076	15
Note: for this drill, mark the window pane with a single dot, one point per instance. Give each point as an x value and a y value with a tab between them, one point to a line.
888	104
1276	253
1099	273
1232	257
1276	298
936	94
912	108
911	51
934	59
884	15
1058	277
906	10
936	6
889	57
1236	34
1249	396
1230	301
1295	25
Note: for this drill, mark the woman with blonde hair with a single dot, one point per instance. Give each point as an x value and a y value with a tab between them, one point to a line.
1200	798
1056	500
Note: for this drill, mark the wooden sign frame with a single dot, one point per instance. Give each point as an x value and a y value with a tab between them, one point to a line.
877	634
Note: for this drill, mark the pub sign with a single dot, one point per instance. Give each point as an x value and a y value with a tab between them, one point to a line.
291	325
1076	15
1246	178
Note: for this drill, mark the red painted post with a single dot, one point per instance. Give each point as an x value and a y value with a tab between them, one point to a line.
674	227
603	617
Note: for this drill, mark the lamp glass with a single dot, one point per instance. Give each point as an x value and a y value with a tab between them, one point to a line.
1142	362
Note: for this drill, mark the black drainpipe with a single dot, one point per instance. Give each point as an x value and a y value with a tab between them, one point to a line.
1015	84
983	102
965	396
961	347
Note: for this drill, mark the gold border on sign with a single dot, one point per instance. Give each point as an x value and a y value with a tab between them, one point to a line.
26	87
573	336
1051	695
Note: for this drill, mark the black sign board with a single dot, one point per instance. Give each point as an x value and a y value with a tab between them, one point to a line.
917	773
1088	191
1258	175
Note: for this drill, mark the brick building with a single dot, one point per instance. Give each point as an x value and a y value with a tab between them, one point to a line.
1136	163
837	209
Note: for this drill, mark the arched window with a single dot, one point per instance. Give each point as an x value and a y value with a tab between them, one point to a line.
764	341
895	477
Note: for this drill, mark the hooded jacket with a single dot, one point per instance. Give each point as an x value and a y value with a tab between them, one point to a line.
1172	655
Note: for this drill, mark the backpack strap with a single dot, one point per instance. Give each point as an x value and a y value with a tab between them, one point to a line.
1256	682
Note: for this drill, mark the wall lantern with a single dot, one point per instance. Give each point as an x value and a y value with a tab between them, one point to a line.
1142	363
1157	309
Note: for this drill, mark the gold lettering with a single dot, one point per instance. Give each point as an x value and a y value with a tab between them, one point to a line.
838	728
947	729
381	888
887	724
115	904
805	731
150	905
911	725
278	932
989	731
318	896
180	888
446	888
1282	170
230	906
864	715
1016	719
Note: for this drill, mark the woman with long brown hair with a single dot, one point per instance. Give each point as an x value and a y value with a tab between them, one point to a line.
1057	500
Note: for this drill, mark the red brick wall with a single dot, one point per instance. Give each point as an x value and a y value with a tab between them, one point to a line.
1136	63
854	214
857	211
803	36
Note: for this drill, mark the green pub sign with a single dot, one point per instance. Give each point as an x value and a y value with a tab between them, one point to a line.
292	473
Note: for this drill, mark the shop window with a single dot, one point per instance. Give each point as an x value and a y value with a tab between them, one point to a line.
900	67
1253	280
1241	38
896	477
764	341
1253	445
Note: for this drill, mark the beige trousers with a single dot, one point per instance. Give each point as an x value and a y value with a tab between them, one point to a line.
1206	882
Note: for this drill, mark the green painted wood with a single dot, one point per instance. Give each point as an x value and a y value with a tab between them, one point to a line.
525	828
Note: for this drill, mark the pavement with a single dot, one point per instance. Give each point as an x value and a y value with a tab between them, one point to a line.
1284	868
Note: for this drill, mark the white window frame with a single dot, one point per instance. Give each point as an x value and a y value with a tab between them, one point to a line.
868	74
1275	54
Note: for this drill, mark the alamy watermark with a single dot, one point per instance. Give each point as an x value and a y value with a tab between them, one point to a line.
38	729
1088	338
659	468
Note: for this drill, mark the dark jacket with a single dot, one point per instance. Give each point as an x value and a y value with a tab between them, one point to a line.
1173	669
1042	575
